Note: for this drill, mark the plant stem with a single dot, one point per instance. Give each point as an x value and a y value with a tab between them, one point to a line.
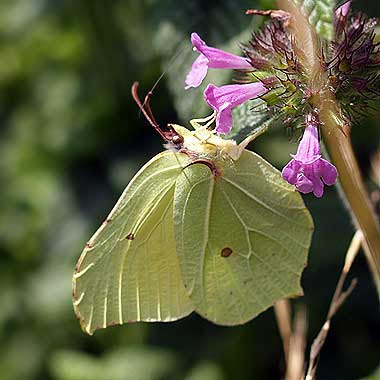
282	310
337	138
338	299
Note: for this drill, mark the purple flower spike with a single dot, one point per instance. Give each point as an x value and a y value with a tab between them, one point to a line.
308	171
211	58
223	99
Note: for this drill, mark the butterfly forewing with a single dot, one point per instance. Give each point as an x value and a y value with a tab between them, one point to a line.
129	269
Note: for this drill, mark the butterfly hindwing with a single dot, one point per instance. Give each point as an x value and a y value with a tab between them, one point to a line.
242	238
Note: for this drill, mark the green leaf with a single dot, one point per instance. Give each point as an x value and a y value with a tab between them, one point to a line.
129	269
249	118
320	14
242	238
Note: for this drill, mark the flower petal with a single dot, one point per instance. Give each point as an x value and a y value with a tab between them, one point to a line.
344	9
223	99
233	94
318	188
219	59
211	58
197	41
290	171
317	182
308	171
341	17
309	148
327	172
224	119
197	73
304	184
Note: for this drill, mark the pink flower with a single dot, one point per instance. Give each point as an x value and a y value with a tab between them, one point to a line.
223	99
211	58
308	171
344	9
341	17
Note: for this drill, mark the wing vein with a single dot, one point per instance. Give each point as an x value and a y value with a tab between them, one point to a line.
161	196
183	218
251	250
206	234
251	196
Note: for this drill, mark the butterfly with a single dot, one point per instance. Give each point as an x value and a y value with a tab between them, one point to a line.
204	226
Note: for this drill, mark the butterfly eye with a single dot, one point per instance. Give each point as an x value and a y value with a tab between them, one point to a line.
177	139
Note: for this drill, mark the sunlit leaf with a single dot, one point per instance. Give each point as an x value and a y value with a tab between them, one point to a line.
320	14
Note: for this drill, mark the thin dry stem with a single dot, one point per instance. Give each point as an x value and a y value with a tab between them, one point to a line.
294	340
337	301
282	310
296	356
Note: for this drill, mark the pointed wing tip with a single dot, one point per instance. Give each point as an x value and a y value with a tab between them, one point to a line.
85	327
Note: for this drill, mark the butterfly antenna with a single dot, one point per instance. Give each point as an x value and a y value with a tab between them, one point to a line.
155	85
146	110
147	107
169	66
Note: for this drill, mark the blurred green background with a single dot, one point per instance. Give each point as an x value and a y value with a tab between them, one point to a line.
71	138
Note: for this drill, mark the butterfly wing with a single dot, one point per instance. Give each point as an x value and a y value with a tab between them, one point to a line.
129	269
242	238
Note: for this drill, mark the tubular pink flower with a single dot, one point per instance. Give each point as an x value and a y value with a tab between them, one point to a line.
341	17
308	171
223	99
211	58
344	9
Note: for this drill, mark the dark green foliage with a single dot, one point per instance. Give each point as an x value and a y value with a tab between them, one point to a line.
320	15
249	117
